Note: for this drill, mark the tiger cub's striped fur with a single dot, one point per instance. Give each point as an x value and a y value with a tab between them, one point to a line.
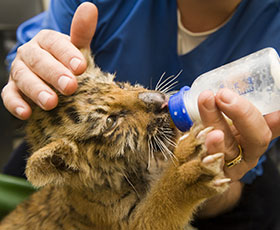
109	157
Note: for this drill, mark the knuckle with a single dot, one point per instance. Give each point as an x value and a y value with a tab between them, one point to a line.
20	50
3	92
265	139
43	34
232	147
33	61
7	97
245	111
23	49
57	43
29	90
28	54
53	76
50	39
17	72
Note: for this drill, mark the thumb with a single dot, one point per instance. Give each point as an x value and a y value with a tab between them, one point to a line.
84	25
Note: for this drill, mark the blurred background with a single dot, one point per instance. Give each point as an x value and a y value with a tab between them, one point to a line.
12	14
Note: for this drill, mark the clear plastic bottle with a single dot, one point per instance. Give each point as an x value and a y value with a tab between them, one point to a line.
256	77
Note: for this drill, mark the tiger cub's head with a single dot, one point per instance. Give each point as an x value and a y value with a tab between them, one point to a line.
104	127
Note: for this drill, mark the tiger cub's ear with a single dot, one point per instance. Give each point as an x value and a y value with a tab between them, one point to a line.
88	57
93	71
52	163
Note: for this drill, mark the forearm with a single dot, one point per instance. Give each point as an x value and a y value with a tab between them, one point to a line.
222	203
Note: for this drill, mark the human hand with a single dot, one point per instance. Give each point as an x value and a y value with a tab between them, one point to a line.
50	58
249	129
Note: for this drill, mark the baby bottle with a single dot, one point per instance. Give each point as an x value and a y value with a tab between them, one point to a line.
256	77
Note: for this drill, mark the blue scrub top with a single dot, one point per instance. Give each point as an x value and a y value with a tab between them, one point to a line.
137	39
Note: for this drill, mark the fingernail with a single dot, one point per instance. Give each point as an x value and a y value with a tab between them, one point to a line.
63	82
227	96
43	97
74	63
19	111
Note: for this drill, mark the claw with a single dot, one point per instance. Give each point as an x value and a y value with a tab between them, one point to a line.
184	136
220	182
211	158
204	132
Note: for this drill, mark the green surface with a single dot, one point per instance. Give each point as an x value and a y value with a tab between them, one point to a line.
13	190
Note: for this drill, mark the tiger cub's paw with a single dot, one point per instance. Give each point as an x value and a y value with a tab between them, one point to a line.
212	168
192	144
191	152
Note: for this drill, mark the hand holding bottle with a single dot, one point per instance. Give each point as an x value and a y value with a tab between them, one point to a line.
245	89
249	129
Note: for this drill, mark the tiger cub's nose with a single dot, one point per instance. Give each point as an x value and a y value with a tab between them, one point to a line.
154	100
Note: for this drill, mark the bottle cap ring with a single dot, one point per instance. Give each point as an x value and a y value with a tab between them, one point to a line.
178	110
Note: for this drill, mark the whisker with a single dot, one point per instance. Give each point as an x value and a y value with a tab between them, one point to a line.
168	137
159	144
170	93
164	145
167	82
165	90
167	131
167	79
152	146
150	152
167	151
130	183
149	155
158	83
170	141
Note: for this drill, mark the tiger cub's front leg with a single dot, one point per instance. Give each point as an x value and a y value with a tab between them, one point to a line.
193	178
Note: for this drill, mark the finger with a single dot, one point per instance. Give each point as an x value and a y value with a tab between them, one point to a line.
211	116
48	68
255	134
60	47
215	142
33	87
273	121
84	25
14	102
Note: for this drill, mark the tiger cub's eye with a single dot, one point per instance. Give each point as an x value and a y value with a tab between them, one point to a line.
111	122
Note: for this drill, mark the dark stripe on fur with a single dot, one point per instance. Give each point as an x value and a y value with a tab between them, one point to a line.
73	114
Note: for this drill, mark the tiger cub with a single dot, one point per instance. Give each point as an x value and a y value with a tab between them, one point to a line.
109	157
